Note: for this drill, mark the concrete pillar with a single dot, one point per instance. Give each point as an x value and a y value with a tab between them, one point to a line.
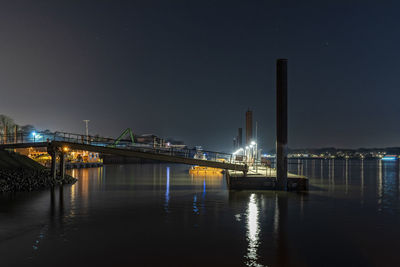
53	156
62	166
281	123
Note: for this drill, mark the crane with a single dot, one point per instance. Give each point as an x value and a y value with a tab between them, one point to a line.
124	133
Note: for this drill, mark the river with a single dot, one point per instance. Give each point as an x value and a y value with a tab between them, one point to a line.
158	214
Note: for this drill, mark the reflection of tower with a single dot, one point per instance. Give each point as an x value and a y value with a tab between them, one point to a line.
249	126
280	223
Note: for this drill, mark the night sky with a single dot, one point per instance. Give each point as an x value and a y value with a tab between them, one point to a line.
190	69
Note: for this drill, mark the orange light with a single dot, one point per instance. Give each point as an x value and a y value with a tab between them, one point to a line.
65	149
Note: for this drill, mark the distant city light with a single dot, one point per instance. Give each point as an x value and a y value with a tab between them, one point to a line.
389	157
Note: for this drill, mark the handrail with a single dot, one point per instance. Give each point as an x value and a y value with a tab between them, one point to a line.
21	138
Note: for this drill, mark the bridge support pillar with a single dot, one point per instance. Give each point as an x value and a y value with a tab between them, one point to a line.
53	168
62	166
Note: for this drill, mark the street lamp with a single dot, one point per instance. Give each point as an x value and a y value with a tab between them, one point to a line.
34	136
256	150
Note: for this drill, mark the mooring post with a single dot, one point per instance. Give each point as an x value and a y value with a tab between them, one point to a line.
281	123
62	165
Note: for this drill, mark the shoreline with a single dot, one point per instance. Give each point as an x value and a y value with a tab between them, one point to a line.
27	180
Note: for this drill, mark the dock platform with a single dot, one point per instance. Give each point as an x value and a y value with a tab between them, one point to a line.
264	178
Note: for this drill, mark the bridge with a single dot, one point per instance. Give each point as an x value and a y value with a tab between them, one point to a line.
59	143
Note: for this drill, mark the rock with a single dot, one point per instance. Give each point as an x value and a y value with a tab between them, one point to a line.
16	180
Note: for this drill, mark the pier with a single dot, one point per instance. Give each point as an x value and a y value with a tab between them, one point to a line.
239	175
57	144
264	178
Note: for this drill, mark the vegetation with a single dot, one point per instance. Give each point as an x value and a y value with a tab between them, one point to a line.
7	126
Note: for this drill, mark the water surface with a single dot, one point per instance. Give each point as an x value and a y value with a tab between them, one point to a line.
158	214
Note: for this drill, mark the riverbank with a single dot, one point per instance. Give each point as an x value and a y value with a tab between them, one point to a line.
19	173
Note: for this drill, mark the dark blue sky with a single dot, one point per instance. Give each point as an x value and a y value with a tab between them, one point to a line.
190	69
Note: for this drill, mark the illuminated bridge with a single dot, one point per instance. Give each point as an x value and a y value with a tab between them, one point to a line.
57	143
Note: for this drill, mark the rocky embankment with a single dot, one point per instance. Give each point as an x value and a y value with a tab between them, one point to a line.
20	173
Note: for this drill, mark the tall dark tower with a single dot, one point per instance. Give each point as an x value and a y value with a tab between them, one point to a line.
281	123
249	126
239	138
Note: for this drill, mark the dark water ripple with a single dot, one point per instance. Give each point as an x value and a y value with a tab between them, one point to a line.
158	214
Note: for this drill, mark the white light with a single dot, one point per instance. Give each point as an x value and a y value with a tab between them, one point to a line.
34	133
247	147
237	151
253	143
253	231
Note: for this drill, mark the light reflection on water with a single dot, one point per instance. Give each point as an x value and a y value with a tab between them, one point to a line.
380	187
167	191
159	209
362	180
253	230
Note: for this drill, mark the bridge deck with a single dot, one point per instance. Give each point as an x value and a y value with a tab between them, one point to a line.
103	145
172	156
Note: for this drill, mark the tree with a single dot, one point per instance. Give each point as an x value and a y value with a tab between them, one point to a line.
27	129
6	124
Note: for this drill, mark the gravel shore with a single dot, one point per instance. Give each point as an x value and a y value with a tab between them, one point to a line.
17	180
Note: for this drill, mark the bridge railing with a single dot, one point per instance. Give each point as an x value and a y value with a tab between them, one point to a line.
22	137
123	144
